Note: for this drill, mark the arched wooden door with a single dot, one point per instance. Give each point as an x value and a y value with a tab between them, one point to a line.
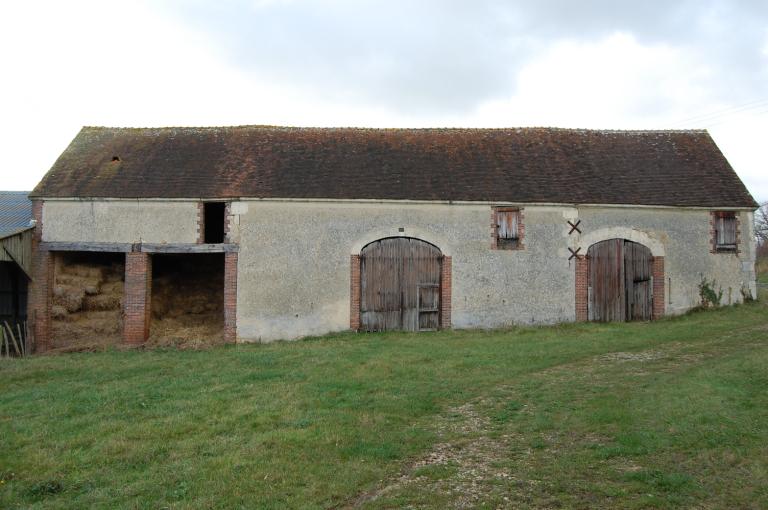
400	285
620	287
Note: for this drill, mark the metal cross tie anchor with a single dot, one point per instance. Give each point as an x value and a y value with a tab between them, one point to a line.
575	227
574	253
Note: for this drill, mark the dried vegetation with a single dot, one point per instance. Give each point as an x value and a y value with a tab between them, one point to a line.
87	302
187	301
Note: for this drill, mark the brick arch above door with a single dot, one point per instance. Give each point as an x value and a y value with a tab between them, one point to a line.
630	234
407	231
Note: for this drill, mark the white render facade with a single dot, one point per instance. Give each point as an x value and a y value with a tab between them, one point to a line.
294	255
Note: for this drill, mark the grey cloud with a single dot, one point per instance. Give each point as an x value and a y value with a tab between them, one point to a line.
432	56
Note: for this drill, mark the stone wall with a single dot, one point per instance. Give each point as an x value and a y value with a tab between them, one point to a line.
294	269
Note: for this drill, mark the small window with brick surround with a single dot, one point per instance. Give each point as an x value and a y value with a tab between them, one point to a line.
725	231
507	228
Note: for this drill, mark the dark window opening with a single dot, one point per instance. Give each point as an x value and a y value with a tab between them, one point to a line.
213	221
725	231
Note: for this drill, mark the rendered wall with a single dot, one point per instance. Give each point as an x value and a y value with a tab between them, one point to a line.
293	268
304	288
120	221
685	237
294	264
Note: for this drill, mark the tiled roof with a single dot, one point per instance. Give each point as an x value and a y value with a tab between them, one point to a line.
15	212
527	165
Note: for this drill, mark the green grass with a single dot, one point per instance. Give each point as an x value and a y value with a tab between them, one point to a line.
761	266
643	415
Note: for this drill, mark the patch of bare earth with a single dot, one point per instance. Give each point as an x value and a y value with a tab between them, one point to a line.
473	460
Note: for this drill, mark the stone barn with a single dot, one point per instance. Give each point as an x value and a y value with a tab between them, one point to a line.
258	233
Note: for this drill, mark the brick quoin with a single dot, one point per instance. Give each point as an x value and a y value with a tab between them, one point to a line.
446	285
136	300
40	295
354	293
230	297
582	289
200	223
658	288
227	219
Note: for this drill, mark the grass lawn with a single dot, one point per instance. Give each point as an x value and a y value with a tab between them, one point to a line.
762	271
643	415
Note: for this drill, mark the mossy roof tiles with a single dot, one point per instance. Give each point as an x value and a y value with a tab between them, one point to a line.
526	165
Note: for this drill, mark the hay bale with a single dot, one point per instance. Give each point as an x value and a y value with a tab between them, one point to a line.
187	332
101	302
77	281
84	270
112	288
59	312
71	298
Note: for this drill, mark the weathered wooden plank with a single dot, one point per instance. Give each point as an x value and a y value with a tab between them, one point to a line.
619	279
725	230
188	248
99	247
18	248
392	271
144	247
638	264
606	280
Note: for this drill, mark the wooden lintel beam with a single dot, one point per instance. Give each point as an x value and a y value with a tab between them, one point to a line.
188	248
143	247
102	247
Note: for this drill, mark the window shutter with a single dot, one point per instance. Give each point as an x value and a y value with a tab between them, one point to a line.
729	231
725	230
720	230
508	224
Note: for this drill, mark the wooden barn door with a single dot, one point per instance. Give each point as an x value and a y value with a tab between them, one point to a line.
400	285
620	287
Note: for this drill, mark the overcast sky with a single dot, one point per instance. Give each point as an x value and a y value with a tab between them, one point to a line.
584	64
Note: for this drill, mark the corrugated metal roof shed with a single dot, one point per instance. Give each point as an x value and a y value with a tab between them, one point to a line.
15	212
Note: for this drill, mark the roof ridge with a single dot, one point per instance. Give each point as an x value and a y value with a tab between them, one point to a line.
388	129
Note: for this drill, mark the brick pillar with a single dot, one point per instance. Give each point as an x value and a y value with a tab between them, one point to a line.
659	298
40	293
136	301
230	297
40	298
446	285
354	293
582	289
